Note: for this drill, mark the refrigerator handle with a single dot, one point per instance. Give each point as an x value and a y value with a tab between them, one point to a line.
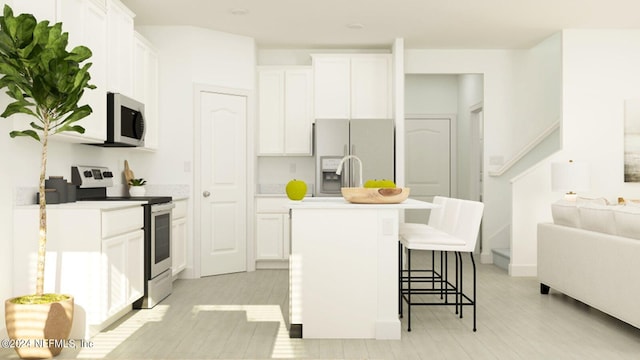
352	167
346	173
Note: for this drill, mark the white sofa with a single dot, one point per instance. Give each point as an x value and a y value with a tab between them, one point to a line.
591	252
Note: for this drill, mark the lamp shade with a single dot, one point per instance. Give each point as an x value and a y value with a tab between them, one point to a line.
570	177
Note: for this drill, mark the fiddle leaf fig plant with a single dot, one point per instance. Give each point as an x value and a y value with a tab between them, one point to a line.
46	81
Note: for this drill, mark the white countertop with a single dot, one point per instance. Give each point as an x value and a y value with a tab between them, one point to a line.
95	205
341	203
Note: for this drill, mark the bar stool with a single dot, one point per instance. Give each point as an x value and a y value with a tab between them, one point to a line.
458	233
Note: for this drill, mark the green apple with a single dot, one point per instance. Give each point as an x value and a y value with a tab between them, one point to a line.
296	189
371	184
386	184
379	184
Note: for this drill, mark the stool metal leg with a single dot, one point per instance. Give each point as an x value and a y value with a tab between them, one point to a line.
408	289
473	262
400	279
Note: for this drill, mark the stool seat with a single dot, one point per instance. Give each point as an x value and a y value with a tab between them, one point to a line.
431	239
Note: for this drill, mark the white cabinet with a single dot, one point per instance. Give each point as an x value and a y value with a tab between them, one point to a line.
352	86
94	253
120	45
86	23
145	87
125	270
285	110
179	233
272	233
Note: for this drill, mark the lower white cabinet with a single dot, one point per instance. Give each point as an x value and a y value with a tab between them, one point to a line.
125	270
179	234
272	233
94	253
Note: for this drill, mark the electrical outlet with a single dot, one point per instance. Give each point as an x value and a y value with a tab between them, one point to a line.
292	168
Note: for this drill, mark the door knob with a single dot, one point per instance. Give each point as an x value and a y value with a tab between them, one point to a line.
206	193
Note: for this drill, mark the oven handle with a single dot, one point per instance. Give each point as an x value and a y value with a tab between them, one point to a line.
162	207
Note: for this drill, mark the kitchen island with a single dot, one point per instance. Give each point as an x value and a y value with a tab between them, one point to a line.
344	268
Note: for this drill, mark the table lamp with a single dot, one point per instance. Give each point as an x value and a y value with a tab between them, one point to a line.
569	177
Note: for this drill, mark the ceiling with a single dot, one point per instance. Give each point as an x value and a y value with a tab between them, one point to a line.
435	24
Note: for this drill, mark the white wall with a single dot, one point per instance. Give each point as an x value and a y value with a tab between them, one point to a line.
431	94
497	66
190	56
470	93
599	71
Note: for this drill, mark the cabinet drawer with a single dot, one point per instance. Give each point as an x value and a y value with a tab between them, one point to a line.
272	205
180	210
120	221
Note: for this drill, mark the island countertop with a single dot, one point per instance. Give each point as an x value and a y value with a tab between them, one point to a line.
341	203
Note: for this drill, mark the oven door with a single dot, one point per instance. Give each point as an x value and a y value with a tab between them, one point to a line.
160	228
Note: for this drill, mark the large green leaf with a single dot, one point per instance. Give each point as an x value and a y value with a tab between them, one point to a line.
45	79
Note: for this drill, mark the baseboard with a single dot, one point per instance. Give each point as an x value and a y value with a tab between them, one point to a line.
272	264
523	270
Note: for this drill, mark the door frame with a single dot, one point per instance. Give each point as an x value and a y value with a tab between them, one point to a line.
453	146
476	162
197	186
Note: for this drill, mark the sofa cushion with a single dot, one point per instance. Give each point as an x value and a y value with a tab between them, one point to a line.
598	218
581	201
628	221
565	213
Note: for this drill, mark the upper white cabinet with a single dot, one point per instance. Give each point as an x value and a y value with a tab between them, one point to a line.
352	86
285	110
145	86
120	48
86	23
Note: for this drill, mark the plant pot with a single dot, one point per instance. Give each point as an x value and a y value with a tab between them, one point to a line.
39	331
137	191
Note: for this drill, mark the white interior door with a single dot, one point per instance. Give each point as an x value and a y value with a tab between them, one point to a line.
428	162
223	235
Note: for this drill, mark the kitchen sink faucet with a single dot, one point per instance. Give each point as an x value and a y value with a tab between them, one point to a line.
339	171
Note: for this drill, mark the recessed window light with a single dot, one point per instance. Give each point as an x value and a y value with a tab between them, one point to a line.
239	11
355	26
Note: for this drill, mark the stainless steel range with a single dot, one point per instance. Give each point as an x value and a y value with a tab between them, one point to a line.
92	183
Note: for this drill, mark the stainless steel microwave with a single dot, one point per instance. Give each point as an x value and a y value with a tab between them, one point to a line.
125	121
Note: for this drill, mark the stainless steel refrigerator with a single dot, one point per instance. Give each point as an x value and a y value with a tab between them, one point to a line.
371	140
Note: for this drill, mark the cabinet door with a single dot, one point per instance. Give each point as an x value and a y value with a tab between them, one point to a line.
269	237
371	86
115	251
178	245
86	23
145	87
120	39
135	265
271	111
331	82
298	112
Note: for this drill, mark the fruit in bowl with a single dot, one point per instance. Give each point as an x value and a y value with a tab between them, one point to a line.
296	189
384	183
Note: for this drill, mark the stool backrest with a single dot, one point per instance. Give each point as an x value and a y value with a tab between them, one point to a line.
467	219
436	214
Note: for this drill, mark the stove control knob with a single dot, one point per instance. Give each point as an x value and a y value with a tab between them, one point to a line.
88	173
107	174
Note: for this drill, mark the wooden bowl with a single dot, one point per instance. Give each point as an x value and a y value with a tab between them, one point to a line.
359	195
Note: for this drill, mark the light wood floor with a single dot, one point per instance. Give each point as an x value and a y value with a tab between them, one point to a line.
244	316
